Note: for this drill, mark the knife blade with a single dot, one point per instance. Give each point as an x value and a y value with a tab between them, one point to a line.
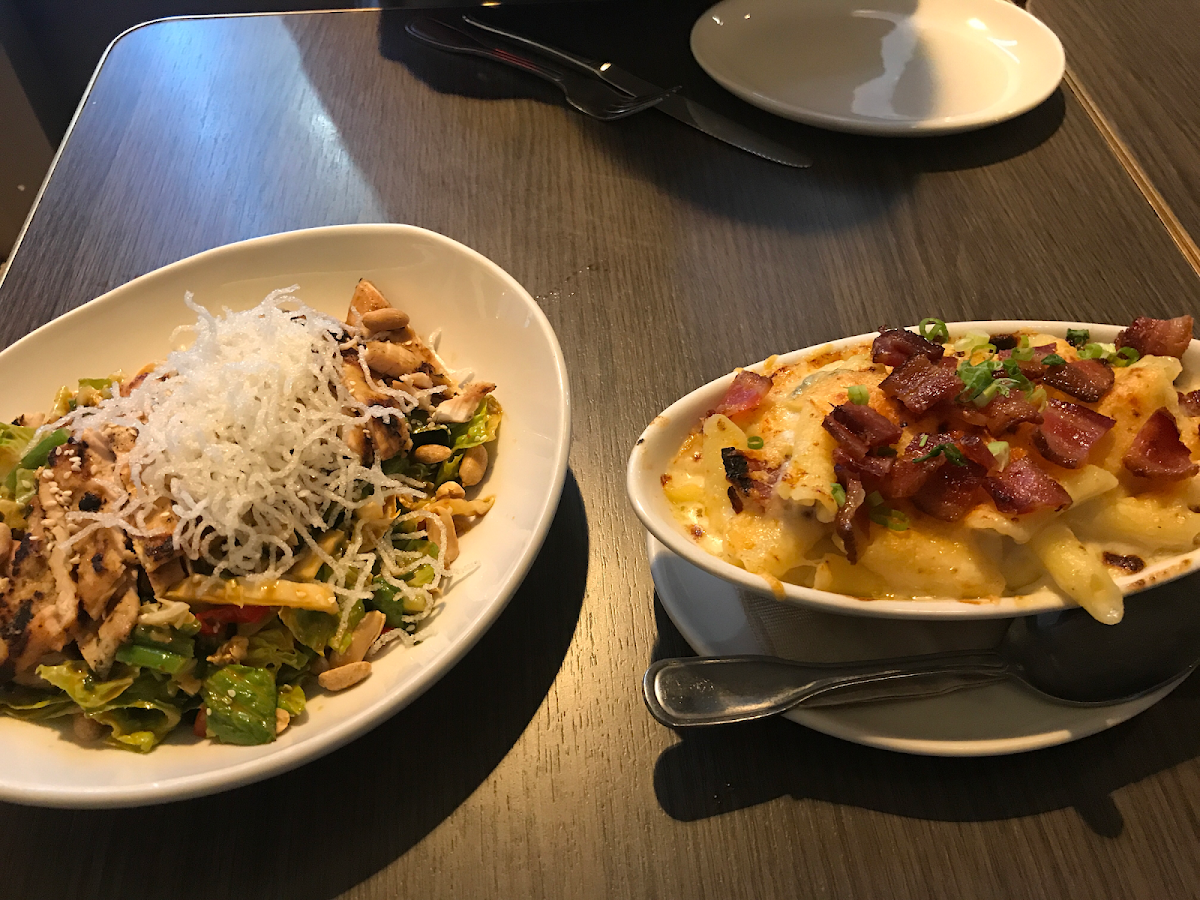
687	111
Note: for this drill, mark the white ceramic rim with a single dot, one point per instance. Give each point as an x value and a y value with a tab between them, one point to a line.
827	720
1052	46
666	432
329	738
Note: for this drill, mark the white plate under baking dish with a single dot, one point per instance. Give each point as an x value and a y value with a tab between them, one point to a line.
717	618
663	437
894	67
489	325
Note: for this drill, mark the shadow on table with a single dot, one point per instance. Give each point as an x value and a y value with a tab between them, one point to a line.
382	793
863	175
717	770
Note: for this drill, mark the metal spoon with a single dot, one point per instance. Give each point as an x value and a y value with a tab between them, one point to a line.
1067	656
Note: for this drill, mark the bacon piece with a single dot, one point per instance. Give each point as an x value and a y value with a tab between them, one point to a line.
843	522
1189	403
746	393
909	473
1023	487
1003	414
1085	379
919	384
951	492
1032	368
907	476
896	346
1068	432
737	468
748	475
872	471
1157	451
860	429
1158	337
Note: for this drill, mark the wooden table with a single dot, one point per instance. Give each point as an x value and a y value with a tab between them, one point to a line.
663	259
1137	65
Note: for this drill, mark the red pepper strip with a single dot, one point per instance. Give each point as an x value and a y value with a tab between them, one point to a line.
200	726
211	620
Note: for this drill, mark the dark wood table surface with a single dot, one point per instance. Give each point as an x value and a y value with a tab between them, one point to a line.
663	259
1137	63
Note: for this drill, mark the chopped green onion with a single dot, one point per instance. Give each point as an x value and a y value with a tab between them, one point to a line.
1022	354
754	442
923	441
952	453
933	330
1077	337
889	518
839	493
1053	359
974	340
998	386
975	377
999	449
1091	351
1023	344
1126	356
858	394
1038	397
875	498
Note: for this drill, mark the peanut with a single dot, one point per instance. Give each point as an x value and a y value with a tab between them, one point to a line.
473	466
366	299
344	676
431	453
86	729
378	320
283	718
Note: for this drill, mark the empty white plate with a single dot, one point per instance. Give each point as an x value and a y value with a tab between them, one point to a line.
897	67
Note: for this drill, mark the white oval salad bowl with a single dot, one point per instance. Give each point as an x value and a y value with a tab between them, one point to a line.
662	438
489	326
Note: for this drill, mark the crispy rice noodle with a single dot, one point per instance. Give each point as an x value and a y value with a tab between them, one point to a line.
247	448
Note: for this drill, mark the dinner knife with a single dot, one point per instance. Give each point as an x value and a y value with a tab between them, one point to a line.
687	111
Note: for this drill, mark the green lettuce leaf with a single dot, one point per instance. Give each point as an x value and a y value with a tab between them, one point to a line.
275	648
31	704
482	427
137	707
291	699
14	440
311	628
240	703
77	680
143	715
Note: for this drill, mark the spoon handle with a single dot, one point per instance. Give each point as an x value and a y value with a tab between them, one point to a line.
723	689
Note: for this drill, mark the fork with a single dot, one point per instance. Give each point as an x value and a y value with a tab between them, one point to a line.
594	98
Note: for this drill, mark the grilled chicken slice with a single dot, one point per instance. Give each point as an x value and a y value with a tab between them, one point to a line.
29	624
99	641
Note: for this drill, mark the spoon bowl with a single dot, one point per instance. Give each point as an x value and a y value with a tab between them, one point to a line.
1065	655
